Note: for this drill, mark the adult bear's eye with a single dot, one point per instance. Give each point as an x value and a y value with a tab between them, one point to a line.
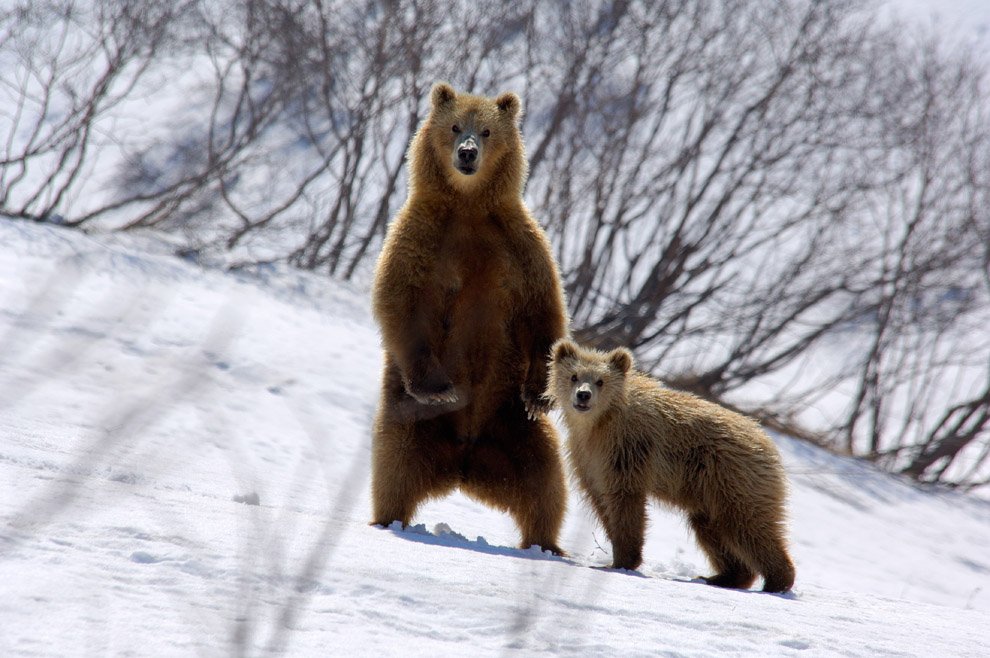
456	128
573	378
599	383
486	133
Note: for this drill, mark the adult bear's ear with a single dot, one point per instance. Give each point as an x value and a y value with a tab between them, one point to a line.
621	359
442	95
510	104
564	349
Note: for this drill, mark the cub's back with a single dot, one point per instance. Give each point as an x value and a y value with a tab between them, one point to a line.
685	437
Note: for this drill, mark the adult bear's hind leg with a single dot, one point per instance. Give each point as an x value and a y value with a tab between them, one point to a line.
410	463
516	467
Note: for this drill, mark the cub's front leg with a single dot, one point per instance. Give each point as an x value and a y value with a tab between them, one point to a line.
625	524
623	516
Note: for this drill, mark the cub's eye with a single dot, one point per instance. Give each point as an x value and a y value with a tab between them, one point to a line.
573	378
599	383
486	133
456	128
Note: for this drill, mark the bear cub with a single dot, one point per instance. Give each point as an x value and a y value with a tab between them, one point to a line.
629	438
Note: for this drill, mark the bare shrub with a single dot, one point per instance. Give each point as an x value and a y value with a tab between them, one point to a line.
780	205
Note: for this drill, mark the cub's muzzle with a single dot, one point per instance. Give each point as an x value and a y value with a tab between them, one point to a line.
582	398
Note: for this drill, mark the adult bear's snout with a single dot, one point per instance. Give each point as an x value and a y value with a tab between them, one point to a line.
467	154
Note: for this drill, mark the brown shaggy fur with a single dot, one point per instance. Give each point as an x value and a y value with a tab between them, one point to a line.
469	301
630	438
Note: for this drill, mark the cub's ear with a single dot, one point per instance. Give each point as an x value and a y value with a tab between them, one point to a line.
621	359
510	104
563	349
442	94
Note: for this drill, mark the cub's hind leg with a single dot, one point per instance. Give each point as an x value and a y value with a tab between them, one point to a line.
730	569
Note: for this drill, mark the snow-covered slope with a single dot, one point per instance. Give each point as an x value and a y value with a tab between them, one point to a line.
184	471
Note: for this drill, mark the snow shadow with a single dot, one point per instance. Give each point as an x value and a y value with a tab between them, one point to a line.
442	535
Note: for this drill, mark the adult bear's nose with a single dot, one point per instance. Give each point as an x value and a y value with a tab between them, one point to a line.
583	396
467	150
467	154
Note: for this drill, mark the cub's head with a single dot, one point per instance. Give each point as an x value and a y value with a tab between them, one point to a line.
586	382
470	142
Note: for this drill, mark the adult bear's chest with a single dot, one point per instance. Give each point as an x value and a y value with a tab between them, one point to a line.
481	275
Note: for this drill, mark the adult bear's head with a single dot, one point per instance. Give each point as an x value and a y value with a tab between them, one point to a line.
471	144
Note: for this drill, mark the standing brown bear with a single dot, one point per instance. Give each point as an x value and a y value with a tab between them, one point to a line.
630	438
469	301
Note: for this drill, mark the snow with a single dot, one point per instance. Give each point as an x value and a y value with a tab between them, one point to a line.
184	470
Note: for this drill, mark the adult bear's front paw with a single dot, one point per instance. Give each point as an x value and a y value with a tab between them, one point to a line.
434	390
536	404
446	396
